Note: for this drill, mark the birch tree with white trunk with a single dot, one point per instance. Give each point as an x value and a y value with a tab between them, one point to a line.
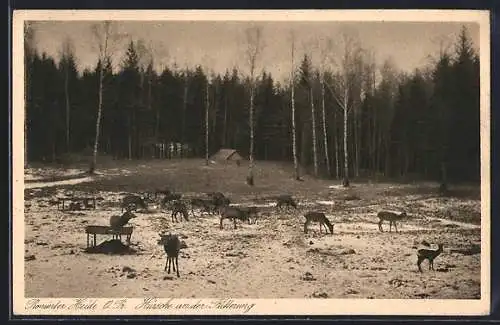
322	72
310	84
207	64
341	84
294	127
254	48
105	39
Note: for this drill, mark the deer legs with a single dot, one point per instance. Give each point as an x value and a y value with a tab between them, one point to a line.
174	261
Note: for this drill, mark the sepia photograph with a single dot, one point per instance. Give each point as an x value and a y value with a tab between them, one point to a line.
251	162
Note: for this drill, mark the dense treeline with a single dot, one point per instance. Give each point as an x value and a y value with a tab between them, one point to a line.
424	124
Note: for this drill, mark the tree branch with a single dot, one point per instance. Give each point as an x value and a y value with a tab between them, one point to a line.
332	92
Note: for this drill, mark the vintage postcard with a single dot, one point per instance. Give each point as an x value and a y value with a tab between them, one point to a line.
321	162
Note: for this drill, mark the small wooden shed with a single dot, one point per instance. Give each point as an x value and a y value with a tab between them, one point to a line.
227	155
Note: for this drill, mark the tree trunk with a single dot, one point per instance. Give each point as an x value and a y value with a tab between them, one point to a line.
294	127
66	92
325	132
294	135
224	138
356	144
337	156
313	121
250	179
336	145
214	119
206	124
103	56
184	107
346	150
130	137
98	122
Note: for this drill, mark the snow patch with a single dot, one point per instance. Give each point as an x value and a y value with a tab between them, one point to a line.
262	205
458	223
66	182
337	187
326	202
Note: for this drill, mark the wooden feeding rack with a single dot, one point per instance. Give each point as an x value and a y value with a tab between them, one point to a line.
87	202
106	230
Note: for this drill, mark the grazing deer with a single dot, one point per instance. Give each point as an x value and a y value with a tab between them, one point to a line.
391	217
172	246
116	222
314	216
285	200
234	213
179	207
428	254
133	200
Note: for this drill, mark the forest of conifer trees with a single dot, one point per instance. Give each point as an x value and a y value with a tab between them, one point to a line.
419	125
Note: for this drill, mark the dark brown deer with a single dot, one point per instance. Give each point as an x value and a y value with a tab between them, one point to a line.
130	202
172	245
391	217
314	216
118	221
179	207
285	200
428	254
232	213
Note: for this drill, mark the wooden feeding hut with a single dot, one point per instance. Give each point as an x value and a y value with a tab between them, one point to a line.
227	156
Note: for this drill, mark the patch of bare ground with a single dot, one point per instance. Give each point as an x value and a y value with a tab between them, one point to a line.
272	258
